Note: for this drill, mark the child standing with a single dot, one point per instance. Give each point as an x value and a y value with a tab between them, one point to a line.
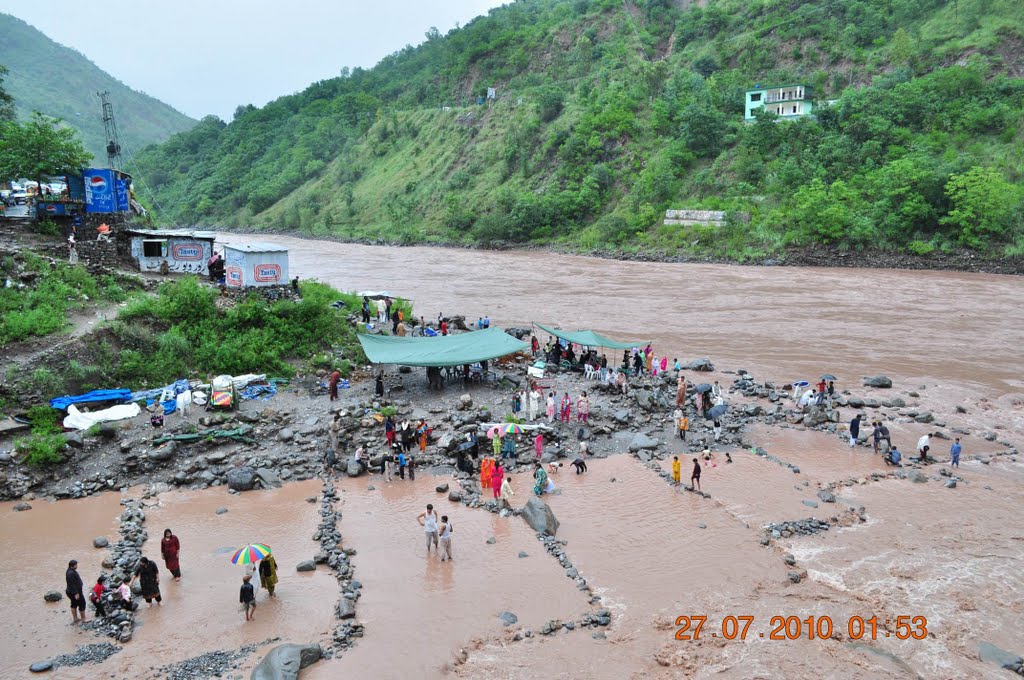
247	596
676	470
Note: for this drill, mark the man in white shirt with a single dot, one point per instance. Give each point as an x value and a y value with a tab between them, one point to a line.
923	445
428	520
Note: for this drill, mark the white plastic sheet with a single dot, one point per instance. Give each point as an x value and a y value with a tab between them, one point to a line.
77	420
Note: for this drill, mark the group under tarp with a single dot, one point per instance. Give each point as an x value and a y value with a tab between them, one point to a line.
445	350
589	338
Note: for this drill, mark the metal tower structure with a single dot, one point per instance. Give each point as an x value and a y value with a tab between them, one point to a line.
110	128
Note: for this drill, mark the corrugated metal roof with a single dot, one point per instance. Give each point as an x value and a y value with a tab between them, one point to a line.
257	248
185	233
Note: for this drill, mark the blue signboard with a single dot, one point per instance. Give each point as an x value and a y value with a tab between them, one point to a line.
48	209
121	195
99	190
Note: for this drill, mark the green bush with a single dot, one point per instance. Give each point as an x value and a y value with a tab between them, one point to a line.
921	247
41	449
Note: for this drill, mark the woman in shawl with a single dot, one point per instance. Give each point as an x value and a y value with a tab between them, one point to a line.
583	407
540	480
149	577
268	574
664	363
389	430
681	391
497	476
169	548
550	407
566	407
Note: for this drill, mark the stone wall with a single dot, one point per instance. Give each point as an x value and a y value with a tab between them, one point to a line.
715	218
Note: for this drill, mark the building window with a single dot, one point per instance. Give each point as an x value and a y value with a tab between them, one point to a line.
755	97
154	248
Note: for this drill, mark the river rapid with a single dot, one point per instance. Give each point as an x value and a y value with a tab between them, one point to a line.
651	552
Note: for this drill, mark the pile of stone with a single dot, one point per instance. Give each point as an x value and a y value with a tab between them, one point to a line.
801	527
338	560
122	561
210	665
84	654
775	459
555	549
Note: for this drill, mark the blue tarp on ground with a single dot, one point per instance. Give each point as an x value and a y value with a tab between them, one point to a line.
61	403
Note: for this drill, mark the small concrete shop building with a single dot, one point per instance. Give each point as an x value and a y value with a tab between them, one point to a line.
176	251
255	264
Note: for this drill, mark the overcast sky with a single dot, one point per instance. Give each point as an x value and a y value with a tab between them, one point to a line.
209	56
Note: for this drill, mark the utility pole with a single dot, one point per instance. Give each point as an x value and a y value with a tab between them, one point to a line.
110	128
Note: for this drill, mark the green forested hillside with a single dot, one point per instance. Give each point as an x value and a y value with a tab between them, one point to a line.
60	82
610	111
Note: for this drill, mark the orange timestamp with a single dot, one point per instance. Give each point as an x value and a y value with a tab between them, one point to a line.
795	628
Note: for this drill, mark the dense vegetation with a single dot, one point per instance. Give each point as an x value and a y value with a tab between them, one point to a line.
42	307
62	83
610	111
186	329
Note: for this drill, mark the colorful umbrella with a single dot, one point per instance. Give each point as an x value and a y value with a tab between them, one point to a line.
494	432
254	552
512	428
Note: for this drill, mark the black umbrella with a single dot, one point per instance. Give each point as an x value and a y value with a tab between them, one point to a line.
829	376
717	411
702	388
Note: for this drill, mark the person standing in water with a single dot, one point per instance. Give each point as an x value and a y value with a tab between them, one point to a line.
695	475
428	520
149	577
446	539
854	430
170	546
74	589
676	470
247	596
268	574
954	453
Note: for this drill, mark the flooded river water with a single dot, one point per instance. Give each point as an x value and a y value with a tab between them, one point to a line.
651	552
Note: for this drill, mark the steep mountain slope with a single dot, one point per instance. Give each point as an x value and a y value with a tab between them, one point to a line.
58	81
610	111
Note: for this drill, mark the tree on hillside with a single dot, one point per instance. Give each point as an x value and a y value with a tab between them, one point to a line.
984	205
6	100
39	147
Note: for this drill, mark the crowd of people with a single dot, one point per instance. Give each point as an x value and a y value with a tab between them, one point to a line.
147	575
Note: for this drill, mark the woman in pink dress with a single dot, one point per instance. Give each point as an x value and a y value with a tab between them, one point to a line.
664	364
566	408
538	441
497	475
550	407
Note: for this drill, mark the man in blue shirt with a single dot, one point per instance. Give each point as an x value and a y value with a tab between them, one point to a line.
954	453
893	458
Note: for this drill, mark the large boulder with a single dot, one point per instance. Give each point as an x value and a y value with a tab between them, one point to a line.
241	479
353	469
285	661
700	365
642	441
539	516
878	381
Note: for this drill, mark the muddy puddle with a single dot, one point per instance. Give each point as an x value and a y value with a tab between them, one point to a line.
200	613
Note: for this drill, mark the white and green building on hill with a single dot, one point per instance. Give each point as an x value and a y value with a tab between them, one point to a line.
787	101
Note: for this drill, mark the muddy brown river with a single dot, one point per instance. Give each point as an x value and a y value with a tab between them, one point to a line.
651	552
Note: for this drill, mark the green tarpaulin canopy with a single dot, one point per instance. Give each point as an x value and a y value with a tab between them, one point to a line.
589	338
443	350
